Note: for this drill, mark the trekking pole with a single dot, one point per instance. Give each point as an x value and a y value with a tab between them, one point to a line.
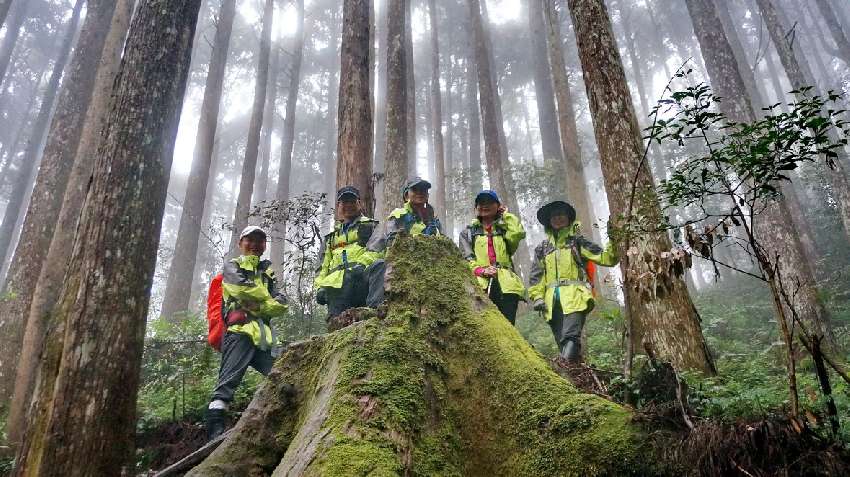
489	285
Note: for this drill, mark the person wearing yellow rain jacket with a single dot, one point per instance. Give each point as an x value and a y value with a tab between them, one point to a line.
250	300
559	282
415	217
488	243
341	281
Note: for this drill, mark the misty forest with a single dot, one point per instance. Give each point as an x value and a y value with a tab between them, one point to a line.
424	237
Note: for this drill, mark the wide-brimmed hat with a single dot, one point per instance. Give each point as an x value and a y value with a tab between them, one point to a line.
545	213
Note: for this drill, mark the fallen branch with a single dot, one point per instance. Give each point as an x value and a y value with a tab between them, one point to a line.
181	466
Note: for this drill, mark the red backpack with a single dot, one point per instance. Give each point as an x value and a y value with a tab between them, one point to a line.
214	319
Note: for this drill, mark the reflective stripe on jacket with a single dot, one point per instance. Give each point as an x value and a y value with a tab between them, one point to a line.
405	219
555	268
507	233
342	249
249	284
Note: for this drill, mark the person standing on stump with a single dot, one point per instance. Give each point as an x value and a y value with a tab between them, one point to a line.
560	286
488	243
250	300
342	280
415	217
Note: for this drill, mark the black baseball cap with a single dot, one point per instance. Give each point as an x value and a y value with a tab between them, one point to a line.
413	182
347	190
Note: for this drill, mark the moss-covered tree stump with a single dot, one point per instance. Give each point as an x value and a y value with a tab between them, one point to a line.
442	386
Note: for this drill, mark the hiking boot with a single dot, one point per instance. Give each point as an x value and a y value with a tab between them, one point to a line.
214	423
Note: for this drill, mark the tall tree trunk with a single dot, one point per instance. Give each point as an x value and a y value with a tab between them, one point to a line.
489	114
329	167
799	74
574	171
354	166
11	152
46	201
249	165
88	384
775	82
410	82
545	96
472	117
839	36
177	288
32	152
747	73
437	116
664	319
288	139
778	234
634	60
380	107
4	10
10	39
57	254
261	190
396	156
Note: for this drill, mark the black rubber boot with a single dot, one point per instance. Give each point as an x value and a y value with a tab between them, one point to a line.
571	351
214	423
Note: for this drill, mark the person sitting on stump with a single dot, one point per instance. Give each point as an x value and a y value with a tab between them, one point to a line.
415	217
342	281
250	300
488	243
559	282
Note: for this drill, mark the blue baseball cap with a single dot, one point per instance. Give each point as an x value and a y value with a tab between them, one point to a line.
487	194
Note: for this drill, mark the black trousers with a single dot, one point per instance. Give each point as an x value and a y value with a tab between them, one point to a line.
355	288
506	303
566	328
237	353
376	272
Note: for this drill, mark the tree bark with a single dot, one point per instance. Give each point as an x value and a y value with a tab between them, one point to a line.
31	157
10	39
249	165
354	166
747	72
178	285
329	167
838	34
437	117
489	114
396	156
45	290
261	190
800	75
4	10
288	140
380	107
410	82
472	116
775	229
574	171
662	313
545	96
441	386
88	385
46	201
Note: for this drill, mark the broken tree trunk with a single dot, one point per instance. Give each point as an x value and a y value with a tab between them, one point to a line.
443	385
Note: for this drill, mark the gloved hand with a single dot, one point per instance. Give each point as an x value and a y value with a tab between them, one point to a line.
322	296
539	305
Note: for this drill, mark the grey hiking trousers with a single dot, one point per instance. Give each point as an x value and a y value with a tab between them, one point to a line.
237	353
